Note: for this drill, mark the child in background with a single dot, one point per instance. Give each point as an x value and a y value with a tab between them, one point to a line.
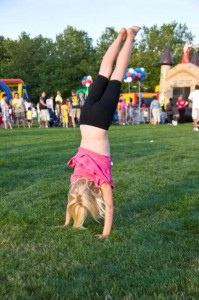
64	113
29	117
34	114
6	115
130	111
10	113
91	182
123	109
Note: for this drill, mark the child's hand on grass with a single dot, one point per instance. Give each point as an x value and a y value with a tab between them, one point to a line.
101	236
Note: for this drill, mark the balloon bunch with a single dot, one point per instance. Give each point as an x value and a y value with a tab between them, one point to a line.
137	74
87	81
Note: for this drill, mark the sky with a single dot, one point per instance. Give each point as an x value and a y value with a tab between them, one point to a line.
50	17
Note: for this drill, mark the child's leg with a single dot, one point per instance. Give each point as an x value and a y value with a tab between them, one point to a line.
5	124
109	100
106	69
111	54
124	55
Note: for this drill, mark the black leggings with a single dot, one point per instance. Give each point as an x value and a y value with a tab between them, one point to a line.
101	103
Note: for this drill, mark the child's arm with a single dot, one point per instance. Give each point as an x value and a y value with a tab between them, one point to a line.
68	217
108	220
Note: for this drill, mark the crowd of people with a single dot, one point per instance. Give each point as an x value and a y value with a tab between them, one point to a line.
55	111
141	113
52	111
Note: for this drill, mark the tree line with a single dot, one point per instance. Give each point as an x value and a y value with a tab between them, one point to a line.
50	65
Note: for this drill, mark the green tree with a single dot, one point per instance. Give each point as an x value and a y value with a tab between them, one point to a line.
74	55
26	57
3	54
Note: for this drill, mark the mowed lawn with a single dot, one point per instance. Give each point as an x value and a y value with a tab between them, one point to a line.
153	250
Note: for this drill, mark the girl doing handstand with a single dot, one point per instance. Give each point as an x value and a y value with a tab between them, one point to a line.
91	182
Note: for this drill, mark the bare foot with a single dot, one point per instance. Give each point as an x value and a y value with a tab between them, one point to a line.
131	32
123	33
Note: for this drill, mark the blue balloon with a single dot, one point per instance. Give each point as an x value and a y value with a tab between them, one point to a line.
134	75
142	79
143	72
137	70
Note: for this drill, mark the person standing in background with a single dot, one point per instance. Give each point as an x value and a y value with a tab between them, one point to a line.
6	115
58	103
19	109
64	113
82	99
3	100
44	110
169	111
194	99
50	106
123	111
155	110
29	117
181	103
75	108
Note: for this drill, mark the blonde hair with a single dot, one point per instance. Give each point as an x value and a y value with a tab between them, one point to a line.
83	197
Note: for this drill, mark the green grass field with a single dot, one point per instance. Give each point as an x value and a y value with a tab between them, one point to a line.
153	250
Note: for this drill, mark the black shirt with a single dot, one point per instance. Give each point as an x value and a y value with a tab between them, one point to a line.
41	105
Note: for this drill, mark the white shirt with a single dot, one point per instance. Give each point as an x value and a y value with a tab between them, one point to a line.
194	96
27	105
2	102
49	103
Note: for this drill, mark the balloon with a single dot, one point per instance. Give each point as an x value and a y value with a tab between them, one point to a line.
129	79
137	70
143	72
87	81
137	74
134	75
131	70
81	91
